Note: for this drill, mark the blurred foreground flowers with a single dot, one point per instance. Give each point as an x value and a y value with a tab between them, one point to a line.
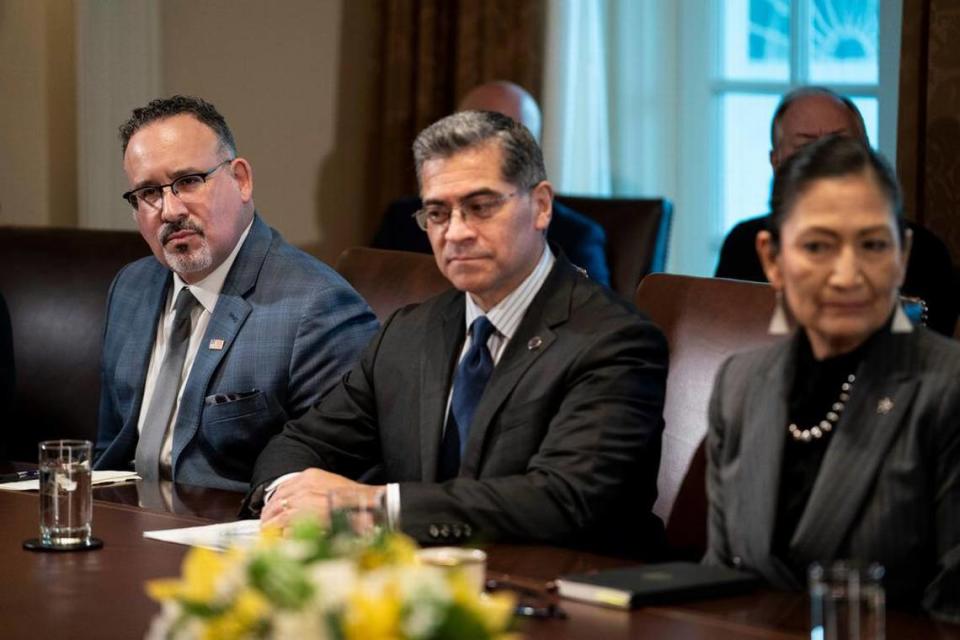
320	584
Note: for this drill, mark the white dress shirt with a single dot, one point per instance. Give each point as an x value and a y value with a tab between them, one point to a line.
207	292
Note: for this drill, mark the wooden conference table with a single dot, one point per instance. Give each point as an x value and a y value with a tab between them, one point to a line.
100	594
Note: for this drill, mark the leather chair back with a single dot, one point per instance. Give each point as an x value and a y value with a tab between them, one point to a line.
638	233
705	320
389	280
55	282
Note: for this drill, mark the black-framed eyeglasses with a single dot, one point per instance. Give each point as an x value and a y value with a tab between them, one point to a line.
479	208
151	196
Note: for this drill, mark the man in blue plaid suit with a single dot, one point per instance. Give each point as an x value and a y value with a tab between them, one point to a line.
227	332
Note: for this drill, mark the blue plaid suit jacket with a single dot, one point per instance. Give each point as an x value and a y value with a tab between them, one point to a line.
290	327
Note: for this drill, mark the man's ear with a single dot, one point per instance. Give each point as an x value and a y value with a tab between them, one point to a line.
542	198
243	174
767	251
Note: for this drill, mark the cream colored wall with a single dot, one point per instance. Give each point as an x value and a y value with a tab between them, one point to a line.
276	71
293	78
38	184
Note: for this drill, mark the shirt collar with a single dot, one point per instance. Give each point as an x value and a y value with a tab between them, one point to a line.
506	315
207	291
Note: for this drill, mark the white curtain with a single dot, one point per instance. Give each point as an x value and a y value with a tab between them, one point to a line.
577	127
611	97
610	86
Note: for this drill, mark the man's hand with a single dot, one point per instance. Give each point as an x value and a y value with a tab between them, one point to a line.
308	493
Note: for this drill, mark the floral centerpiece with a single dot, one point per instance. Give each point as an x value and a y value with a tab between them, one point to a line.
319	583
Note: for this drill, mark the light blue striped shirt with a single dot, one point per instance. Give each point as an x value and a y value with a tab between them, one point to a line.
506	315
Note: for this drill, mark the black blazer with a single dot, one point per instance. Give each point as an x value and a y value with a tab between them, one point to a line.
930	274
565	443
582	239
888	489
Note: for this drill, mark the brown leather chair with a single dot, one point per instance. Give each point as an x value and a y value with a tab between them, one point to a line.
705	320
638	232
388	280
55	282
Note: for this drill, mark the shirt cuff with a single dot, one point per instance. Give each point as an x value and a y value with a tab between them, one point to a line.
393	506
273	486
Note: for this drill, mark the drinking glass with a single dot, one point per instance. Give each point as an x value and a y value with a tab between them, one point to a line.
66	493
362	514
847	602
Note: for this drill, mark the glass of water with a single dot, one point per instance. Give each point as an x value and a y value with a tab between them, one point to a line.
847	601
66	493
357	511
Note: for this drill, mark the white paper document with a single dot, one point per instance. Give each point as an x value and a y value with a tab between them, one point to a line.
99	478
213	536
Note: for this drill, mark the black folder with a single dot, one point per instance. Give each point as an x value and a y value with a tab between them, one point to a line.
650	584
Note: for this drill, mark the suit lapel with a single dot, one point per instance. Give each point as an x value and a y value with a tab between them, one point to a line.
436	375
228	317
549	308
139	348
762	441
881	396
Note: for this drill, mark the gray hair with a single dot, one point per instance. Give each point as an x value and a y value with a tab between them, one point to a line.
522	158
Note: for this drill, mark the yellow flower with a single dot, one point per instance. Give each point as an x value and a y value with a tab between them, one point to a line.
494	610
269	536
245	614
394	549
373	616
201	570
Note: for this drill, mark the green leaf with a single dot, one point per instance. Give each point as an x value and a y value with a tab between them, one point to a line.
281	579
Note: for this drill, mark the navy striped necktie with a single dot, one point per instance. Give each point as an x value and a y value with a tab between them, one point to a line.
471	378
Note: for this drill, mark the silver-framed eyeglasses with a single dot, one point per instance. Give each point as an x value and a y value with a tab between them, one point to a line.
477	209
150	198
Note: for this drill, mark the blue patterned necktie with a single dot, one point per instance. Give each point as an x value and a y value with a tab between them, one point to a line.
471	378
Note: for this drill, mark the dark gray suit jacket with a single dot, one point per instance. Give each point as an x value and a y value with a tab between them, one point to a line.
290	326
888	489
565	444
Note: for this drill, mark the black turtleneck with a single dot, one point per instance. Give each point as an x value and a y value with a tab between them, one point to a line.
816	386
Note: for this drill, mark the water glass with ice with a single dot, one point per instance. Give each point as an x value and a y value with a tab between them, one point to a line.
66	493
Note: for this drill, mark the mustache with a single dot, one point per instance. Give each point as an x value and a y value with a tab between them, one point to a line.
170	228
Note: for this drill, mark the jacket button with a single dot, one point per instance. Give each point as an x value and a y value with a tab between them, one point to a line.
737	561
467	531
444	531
433	531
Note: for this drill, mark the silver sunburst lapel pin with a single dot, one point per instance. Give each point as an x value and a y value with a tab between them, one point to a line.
885	406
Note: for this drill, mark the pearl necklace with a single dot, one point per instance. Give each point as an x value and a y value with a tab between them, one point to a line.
826	425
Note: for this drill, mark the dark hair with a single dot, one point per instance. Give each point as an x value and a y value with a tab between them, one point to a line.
522	158
834	156
803	92
175	105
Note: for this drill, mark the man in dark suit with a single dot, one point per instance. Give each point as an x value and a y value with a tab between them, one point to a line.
227	332
524	405
582	239
807	114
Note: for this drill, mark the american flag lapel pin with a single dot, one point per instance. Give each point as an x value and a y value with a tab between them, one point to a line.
216	344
